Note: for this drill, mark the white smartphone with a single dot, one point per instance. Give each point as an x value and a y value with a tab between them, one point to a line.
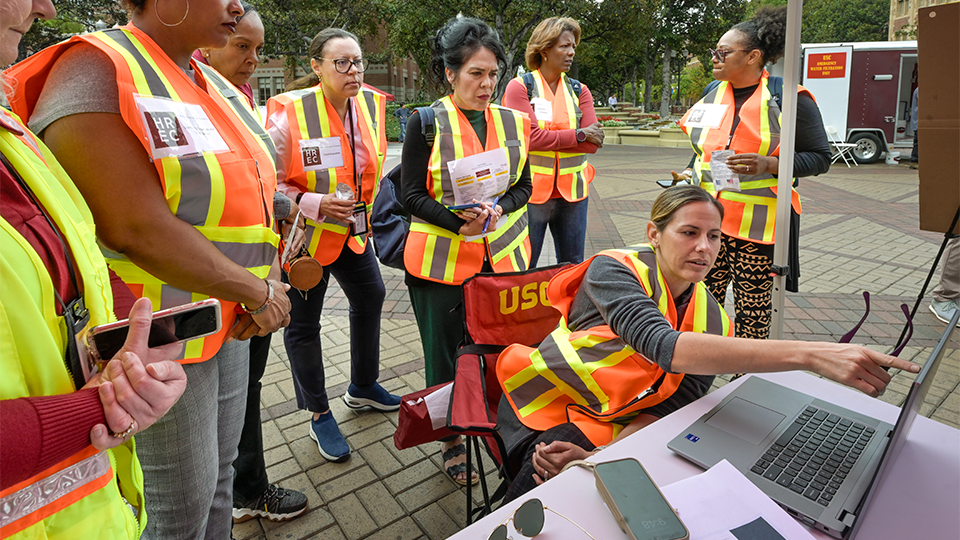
636	502
180	323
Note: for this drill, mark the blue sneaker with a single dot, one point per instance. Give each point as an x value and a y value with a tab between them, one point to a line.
375	397
333	447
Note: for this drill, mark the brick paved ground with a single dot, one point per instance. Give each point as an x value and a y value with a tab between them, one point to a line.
858	232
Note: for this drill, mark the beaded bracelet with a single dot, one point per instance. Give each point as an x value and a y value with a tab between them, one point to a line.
265	305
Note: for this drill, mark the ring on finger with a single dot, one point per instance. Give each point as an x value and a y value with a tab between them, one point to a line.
124	434
546	475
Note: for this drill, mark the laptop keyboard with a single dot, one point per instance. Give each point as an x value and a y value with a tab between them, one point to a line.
815	454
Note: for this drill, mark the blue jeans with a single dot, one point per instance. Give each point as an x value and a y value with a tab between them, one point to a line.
187	456
568	225
359	277
403	129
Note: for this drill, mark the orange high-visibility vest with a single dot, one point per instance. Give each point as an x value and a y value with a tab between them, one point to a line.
311	117
591	377
751	213
436	254
79	497
569	171
226	193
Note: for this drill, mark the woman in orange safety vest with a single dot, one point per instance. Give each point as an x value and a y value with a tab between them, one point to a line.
750	129
180	183
445	245
331	146
640	337
563	131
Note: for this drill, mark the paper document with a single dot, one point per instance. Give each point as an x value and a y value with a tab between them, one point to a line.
723	177
482	176
721	504
438	403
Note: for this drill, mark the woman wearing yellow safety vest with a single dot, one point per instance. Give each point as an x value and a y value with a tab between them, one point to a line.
253	494
447	245
563	131
331	145
179	177
748	127
68	457
639	338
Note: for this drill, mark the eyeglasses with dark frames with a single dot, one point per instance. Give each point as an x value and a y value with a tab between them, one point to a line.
721	54
528	521
343	64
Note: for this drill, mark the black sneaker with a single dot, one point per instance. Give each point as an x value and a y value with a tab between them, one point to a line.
275	504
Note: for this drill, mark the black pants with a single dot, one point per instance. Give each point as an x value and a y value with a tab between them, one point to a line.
523	456
915	154
251	471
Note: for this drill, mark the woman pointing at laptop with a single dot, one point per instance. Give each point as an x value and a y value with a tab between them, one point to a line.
641	337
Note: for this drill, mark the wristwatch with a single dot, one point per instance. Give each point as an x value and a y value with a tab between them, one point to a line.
581	136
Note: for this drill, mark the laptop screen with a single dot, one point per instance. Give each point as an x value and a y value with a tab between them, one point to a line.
911	407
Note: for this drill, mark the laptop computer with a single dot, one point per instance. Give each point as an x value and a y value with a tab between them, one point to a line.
821	462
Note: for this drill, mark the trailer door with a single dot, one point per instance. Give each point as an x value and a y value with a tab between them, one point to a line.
826	73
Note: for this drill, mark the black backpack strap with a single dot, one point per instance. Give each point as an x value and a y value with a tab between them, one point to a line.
577	87
709	88
427	127
775	85
528	82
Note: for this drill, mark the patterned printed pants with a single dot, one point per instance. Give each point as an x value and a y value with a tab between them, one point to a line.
747	264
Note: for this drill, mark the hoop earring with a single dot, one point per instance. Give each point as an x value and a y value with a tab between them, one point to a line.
156	8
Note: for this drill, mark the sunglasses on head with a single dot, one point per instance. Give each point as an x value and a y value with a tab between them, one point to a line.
528	521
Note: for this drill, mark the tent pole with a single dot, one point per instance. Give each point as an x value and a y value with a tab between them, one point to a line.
791	73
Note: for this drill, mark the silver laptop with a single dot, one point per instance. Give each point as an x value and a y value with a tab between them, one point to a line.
822	463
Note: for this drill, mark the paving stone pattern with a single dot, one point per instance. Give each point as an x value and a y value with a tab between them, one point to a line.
859	231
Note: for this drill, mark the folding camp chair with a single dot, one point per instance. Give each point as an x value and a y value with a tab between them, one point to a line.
841	149
499	310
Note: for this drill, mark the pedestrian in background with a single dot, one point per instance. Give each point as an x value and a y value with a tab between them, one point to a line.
563	130
402	113
914	105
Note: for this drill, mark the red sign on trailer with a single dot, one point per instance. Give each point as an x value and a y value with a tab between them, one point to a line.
827	66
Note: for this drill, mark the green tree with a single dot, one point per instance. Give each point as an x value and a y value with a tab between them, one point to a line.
73	17
834	21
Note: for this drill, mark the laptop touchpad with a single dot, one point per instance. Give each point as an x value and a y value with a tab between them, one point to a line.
746	420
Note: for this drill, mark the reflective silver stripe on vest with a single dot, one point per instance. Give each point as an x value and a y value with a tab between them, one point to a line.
311	115
560	367
441	251
509	123
238	103
647	256
157	88
48	490
531	390
539	160
502	241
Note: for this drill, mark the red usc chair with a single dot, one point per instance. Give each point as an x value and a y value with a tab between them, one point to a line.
499	310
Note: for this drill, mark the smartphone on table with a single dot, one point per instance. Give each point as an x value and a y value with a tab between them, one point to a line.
636	502
180	323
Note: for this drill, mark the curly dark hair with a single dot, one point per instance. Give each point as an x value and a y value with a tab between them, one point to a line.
457	41
138	5
766	31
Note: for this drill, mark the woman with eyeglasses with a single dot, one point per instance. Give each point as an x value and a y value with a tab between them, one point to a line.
750	128
446	245
564	130
331	146
641	337
179	178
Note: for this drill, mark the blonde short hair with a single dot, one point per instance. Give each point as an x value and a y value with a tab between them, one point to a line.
545	35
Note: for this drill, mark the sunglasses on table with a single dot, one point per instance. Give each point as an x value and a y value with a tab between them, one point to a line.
528	521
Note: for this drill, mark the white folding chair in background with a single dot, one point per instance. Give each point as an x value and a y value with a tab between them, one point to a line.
841	149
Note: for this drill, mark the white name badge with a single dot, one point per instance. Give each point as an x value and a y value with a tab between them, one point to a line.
708	115
321	154
177	129
542	108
